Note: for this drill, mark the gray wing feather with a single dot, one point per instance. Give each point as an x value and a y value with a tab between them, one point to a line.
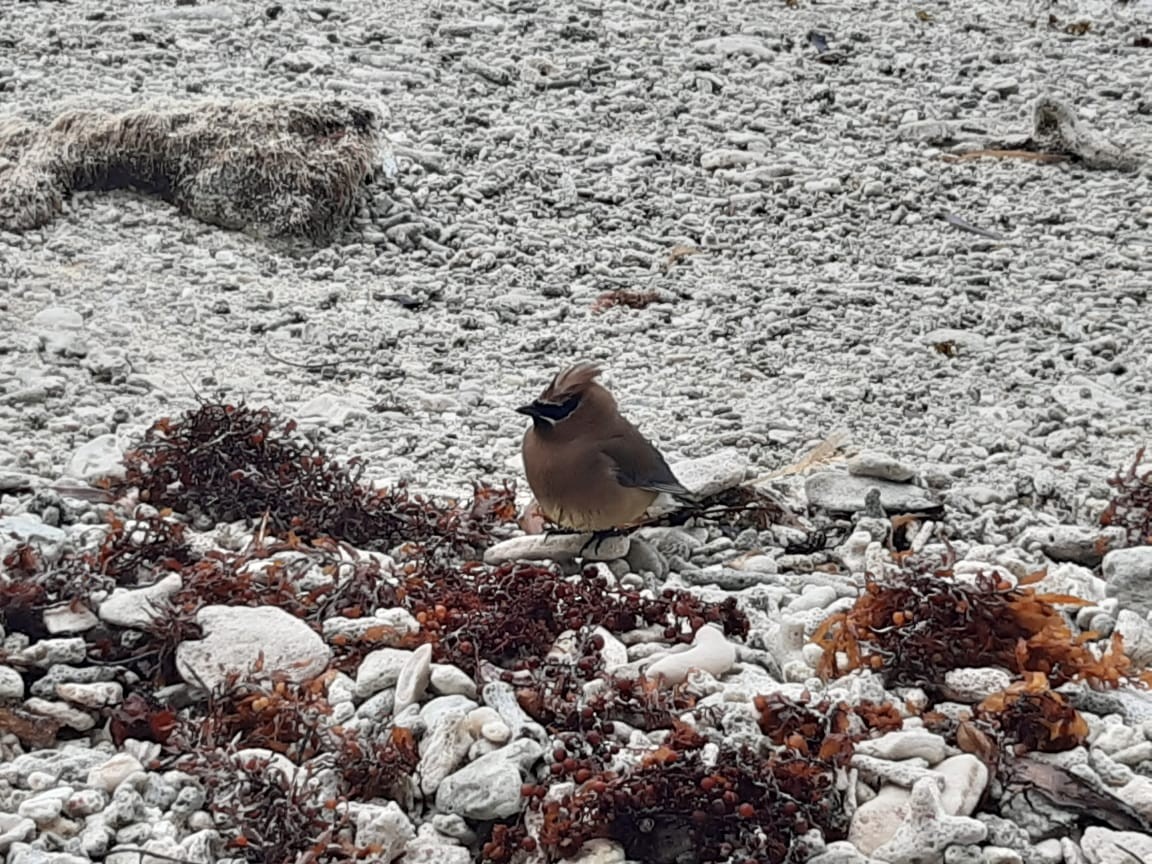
639	465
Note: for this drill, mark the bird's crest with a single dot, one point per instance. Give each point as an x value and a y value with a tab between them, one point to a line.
570	382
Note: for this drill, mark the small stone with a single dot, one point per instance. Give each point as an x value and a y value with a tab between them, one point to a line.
1062	440
45	806
451	825
501	696
561	548
378	706
21	853
1072	543
237	639
756	563
60	712
104	694
644	558
49	652
845	494
813	597
711	652
384	828
1072	579
1105	846
425	850
600	850
1137	633
717	472
1128	577
928	829
62	674
341	689
101	457
1134	755
85	802
113	771
906	744
819	185
202	847
57	318
330	411
1047	852
67	618
14	482
903	774
965	779
11	685
998	855
1137	794
1082	395
444	745
387	627
975	685
875	822
139	608
489	788
1004	86
66	765
380	670
874	463
14	829
485	717
614	653
753	47
449	680
414	678
27	529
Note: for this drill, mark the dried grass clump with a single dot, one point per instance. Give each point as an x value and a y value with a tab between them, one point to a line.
229	462
274	167
917	624
1131	504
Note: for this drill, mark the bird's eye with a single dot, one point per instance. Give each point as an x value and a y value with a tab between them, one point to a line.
568	406
556	412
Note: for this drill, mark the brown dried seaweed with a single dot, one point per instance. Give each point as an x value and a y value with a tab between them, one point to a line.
917	624
1131	504
1032	717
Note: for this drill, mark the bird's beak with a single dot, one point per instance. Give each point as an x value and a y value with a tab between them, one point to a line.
530	410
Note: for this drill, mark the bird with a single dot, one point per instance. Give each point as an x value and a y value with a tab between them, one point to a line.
589	468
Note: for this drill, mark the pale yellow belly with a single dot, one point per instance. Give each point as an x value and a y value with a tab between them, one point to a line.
617	510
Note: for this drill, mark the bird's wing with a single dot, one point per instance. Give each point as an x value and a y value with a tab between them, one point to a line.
639	465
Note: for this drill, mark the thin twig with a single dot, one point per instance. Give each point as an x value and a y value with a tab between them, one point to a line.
311	367
142	852
1029	155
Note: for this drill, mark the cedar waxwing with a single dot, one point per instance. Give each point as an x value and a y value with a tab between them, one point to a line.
589	468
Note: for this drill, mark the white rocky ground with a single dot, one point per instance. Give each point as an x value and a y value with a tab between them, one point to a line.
552	151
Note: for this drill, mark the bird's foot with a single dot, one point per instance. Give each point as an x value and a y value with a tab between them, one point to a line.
558	531
599	537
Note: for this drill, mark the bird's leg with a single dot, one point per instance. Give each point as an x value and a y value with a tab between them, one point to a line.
599	537
558	531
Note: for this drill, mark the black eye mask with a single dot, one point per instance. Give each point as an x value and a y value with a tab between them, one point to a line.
555	413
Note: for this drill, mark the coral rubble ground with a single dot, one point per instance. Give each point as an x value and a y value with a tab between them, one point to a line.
875	277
